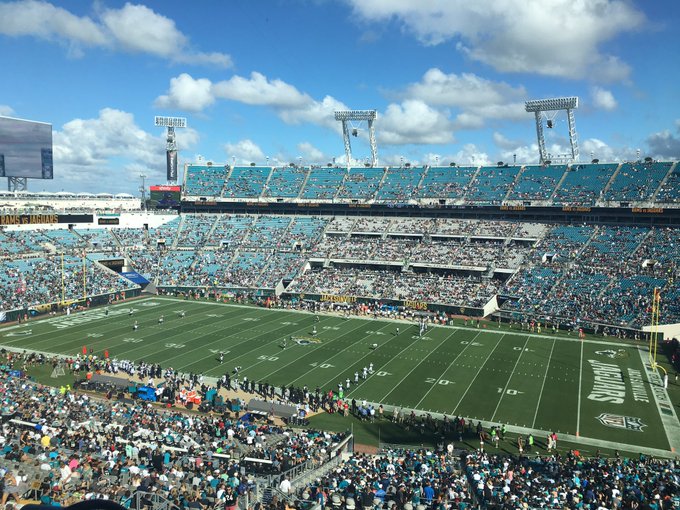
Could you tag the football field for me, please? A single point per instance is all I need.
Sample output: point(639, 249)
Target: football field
point(600, 392)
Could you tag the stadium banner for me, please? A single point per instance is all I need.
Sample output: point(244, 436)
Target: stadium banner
point(44, 308)
point(43, 219)
point(108, 221)
point(164, 197)
point(2, 165)
point(171, 165)
point(135, 277)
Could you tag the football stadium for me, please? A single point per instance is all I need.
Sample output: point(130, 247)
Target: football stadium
point(353, 334)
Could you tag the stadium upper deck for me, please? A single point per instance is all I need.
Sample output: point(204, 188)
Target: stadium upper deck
point(593, 184)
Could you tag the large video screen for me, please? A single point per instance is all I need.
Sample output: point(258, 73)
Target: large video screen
point(164, 196)
point(25, 149)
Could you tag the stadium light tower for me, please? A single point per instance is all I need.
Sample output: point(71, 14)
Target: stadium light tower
point(171, 123)
point(350, 116)
point(549, 108)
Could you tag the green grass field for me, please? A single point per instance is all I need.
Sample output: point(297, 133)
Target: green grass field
point(597, 392)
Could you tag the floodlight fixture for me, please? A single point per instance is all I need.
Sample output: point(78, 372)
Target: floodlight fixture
point(348, 116)
point(170, 123)
point(553, 105)
point(356, 115)
point(558, 103)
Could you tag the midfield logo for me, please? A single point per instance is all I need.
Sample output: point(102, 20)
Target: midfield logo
point(614, 354)
point(621, 422)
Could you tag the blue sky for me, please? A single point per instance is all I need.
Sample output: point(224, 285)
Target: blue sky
point(261, 79)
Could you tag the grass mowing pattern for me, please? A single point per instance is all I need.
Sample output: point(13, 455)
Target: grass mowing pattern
point(503, 377)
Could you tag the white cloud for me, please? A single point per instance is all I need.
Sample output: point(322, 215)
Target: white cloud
point(464, 90)
point(591, 148)
point(469, 154)
point(291, 105)
point(311, 154)
point(477, 99)
point(258, 90)
point(315, 112)
point(551, 37)
point(132, 28)
point(109, 152)
point(664, 144)
point(45, 21)
point(6, 110)
point(187, 94)
point(413, 121)
point(504, 143)
point(246, 151)
point(603, 99)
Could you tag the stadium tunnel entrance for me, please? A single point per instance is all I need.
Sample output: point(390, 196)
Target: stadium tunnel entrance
point(120, 266)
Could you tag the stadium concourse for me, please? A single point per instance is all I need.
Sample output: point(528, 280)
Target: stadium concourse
point(62, 445)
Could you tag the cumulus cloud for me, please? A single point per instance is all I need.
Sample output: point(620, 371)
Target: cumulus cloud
point(468, 154)
point(311, 154)
point(603, 99)
point(107, 153)
point(476, 99)
point(132, 28)
point(258, 90)
point(590, 148)
point(464, 90)
point(665, 144)
point(504, 143)
point(413, 121)
point(6, 110)
point(245, 151)
point(187, 94)
point(551, 37)
point(292, 106)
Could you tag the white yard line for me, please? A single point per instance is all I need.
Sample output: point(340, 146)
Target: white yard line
point(545, 376)
point(309, 351)
point(416, 365)
point(664, 405)
point(509, 379)
point(477, 374)
point(580, 385)
point(447, 368)
point(616, 344)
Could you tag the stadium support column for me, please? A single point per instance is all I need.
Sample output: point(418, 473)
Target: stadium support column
point(573, 139)
point(170, 143)
point(348, 145)
point(549, 108)
point(358, 116)
point(17, 184)
point(374, 145)
point(542, 153)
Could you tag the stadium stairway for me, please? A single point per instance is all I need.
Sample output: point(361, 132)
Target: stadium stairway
point(226, 180)
point(511, 188)
point(464, 198)
point(212, 228)
point(419, 185)
point(380, 184)
point(180, 227)
point(559, 183)
point(663, 181)
point(265, 186)
point(604, 191)
point(304, 182)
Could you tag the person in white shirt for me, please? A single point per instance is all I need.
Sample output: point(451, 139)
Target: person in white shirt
point(285, 486)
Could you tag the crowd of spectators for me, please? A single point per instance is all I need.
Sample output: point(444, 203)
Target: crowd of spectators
point(76, 446)
point(572, 481)
point(580, 274)
point(402, 479)
point(386, 284)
